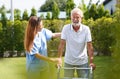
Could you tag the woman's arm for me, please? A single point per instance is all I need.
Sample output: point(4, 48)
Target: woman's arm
point(56, 35)
point(55, 60)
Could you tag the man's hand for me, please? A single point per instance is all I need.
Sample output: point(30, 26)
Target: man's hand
point(93, 65)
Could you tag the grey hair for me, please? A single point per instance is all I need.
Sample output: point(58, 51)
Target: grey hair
point(75, 10)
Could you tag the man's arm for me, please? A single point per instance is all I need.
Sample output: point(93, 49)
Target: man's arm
point(61, 48)
point(90, 53)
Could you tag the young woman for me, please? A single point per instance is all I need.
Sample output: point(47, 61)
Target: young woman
point(35, 44)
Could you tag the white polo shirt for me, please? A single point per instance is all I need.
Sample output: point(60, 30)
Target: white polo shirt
point(76, 51)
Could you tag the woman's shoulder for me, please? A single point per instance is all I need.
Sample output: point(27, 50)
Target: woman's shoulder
point(44, 30)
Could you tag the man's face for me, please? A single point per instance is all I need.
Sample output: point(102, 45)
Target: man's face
point(76, 19)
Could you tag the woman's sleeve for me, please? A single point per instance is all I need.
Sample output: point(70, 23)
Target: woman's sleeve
point(48, 34)
point(36, 45)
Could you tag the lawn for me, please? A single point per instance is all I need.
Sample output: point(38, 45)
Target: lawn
point(14, 68)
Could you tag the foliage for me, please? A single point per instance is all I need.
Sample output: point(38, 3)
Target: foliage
point(17, 14)
point(33, 12)
point(54, 25)
point(3, 26)
point(12, 36)
point(42, 16)
point(1, 40)
point(55, 11)
point(103, 37)
point(53, 46)
point(61, 4)
point(3, 9)
point(69, 6)
point(115, 74)
point(83, 6)
point(9, 36)
point(19, 28)
point(92, 11)
point(96, 12)
point(3, 19)
point(25, 15)
point(48, 16)
point(49, 4)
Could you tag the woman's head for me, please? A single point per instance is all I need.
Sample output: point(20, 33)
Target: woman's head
point(35, 23)
point(34, 26)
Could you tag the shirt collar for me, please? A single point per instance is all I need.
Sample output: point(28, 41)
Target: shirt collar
point(81, 27)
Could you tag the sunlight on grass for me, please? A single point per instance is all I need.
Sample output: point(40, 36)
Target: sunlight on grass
point(12, 68)
point(15, 68)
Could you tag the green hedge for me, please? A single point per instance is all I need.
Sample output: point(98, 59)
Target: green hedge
point(102, 34)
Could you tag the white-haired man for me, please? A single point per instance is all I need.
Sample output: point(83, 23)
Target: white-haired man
point(77, 38)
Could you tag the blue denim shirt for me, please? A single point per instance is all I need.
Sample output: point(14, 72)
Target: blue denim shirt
point(39, 46)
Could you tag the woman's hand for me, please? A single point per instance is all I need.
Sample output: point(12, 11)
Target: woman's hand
point(56, 60)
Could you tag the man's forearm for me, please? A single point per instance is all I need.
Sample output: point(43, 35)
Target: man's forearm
point(90, 52)
point(61, 48)
point(60, 52)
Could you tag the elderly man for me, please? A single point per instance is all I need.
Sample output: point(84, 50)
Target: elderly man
point(77, 38)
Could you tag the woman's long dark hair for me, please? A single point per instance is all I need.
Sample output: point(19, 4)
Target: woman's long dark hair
point(31, 31)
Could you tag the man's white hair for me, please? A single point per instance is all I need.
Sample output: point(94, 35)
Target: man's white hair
point(76, 10)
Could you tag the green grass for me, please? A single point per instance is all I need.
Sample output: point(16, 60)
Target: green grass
point(12, 68)
point(15, 68)
point(103, 66)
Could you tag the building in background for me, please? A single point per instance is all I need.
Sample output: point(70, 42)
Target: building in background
point(110, 5)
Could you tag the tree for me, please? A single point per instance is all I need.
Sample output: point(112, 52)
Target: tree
point(93, 11)
point(17, 14)
point(47, 6)
point(102, 12)
point(55, 11)
point(61, 4)
point(114, 71)
point(49, 3)
point(25, 15)
point(103, 36)
point(42, 16)
point(19, 29)
point(69, 6)
point(83, 6)
point(96, 12)
point(3, 26)
point(4, 19)
point(1, 41)
point(33, 12)
point(3, 9)
point(48, 16)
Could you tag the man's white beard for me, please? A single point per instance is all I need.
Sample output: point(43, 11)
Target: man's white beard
point(76, 24)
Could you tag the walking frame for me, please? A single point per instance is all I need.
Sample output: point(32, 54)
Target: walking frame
point(90, 69)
